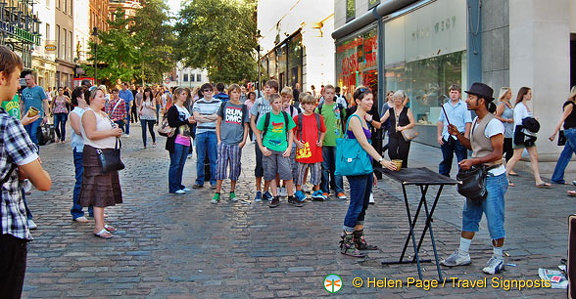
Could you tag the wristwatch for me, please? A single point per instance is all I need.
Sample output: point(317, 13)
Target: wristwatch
point(381, 159)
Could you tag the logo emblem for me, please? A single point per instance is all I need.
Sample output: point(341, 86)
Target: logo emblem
point(332, 283)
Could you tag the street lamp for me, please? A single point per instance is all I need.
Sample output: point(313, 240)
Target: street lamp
point(258, 48)
point(95, 34)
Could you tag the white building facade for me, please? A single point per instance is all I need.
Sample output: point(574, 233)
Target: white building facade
point(296, 46)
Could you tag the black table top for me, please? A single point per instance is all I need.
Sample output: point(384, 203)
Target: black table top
point(417, 176)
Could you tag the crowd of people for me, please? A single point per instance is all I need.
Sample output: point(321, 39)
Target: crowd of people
point(295, 135)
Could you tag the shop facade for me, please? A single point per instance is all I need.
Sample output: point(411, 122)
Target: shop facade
point(422, 47)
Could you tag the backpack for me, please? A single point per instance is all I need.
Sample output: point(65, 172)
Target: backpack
point(300, 117)
point(267, 123)
point(342, 121)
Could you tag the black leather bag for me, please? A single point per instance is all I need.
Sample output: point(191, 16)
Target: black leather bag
point(110, 158)
point(561, 138)
point(472, 182)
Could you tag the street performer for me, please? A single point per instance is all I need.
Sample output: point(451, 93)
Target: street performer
point(486, 142)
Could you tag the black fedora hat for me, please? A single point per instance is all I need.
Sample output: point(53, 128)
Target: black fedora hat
point(482, 90)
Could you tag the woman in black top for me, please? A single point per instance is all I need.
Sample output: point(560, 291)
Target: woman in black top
point(401, 118)
point(180, 143)
point(569, 120)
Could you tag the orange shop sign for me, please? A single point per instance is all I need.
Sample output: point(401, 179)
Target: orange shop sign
point(50, 47)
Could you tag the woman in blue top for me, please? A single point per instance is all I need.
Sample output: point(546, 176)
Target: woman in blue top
point(361, 185)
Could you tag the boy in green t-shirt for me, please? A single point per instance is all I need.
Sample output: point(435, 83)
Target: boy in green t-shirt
point(333, 114)
point(273, 131)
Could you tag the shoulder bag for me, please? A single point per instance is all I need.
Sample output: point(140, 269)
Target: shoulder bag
point(351, 158)
point(409, 134)
point(165, 129)
point(109, 158)
point(472, 182)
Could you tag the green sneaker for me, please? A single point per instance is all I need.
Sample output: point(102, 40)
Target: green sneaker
point(216, 198)
point(233, 196)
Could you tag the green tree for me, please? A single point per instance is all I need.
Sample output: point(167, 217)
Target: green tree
point(139, 48)
point(154, 39)
point(219, 35)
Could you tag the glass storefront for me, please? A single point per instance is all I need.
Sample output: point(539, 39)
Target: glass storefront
point(285, 62)
point(425, 53)
point(356, 61)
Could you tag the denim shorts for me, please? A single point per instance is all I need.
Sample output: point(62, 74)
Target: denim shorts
point(493, 206)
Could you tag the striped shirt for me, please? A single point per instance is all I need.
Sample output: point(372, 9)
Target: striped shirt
point(204, 107)
point(15, 148)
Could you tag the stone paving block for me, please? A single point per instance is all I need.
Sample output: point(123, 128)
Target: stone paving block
point(163, 241)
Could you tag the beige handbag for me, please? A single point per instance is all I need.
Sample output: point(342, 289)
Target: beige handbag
point(409, 134)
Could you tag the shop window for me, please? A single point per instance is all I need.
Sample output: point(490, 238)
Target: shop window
point(185, 78)
point(426, 83)
point(350, 10)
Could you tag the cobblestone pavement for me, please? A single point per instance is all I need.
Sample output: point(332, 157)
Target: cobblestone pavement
point(171, 246)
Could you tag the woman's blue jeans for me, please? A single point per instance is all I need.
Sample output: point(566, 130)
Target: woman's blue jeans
point(565, 156)
point(177, 161)
point(360, 189)
point(60, 120)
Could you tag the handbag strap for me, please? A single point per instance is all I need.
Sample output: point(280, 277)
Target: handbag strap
point(118, 142)
point(348, 123)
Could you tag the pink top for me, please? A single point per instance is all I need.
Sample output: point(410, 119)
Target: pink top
point(60, 105)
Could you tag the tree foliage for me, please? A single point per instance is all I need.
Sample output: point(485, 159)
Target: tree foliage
point(219, 35)
point(139, 48)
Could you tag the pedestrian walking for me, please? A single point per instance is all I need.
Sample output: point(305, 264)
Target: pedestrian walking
point(505, 114)
point(34, 97)
point(60, 111)
point(128, 97)
point(147, 113)
point(486, 142)
point(568, 119)
point(352, 239)
point(522, 111)
point(18, 158)
point(99, 189)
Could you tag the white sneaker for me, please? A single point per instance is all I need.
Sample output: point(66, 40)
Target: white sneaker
point(494, 265)
point(458, 258)
point(31, 224)
point(186, 189)
point(371, 200)
point(306, 188)
point(282, 192)
point(180, 192)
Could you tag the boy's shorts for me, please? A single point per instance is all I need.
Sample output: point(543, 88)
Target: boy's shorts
point(276, 164)
point(315, 173)
point(228, 153)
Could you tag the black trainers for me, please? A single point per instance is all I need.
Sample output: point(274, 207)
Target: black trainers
point(294, 201)
point(275, 202)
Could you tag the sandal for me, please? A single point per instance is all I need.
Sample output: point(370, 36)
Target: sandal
point(513, 173)
point(109, 228)
point(104, 234)
point(544, 186)
point(511, 184)
point(572, 193)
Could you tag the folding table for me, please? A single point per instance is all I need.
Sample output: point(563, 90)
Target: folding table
point(423, 178)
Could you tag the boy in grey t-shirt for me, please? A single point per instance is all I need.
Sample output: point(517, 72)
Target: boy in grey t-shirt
point(232, 132)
